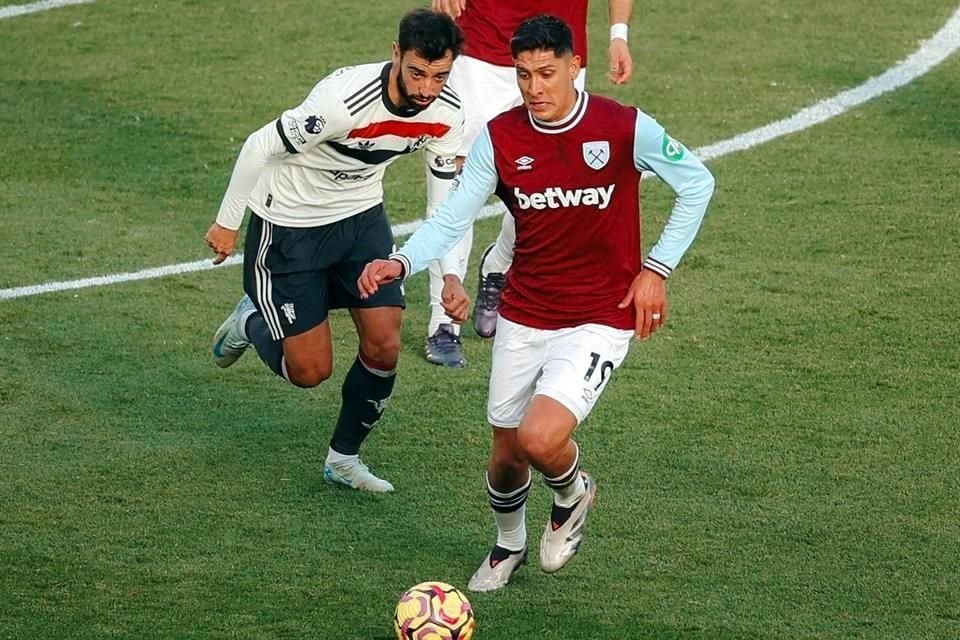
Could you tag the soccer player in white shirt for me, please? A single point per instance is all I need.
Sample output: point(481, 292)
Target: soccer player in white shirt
point(313, 182)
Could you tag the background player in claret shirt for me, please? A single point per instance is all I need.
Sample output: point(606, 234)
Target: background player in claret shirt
point(484, 78)
point(567, 165)
point(313, 180)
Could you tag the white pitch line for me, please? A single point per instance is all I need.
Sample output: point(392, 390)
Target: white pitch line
point(930, 53)
point(22, 9)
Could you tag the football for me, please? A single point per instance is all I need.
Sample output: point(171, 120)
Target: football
point(434, 611)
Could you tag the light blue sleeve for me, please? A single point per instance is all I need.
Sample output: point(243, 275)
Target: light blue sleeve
point(456, 213)
point(654, 150)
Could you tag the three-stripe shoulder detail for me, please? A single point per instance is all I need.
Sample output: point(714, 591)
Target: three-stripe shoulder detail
point(363, 98)
point(450, 96)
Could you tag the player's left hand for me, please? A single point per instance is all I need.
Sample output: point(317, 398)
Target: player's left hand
point(376, 273)
point(454, 298)
point(648, 294)
point(621, 64)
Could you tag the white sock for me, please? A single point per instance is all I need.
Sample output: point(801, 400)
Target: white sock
point(510, 515)
point(570, 495)
point(512, 529)
point(337, 459)
point(500, 257)
point(568, 487)
point(461, 254)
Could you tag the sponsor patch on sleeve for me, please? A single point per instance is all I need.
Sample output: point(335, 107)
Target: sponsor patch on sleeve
point(292, 131)
point(314, 124)
point(671, 149)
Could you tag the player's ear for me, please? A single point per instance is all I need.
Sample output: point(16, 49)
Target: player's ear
point(396, 53)
point(574, 67)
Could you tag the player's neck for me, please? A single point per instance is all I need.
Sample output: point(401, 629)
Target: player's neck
point(569, 113)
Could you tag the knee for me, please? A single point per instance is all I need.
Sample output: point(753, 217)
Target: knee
point(309, 374)
point(507, 461)
point(537, 447)
point(511, 467)
point(383, 350)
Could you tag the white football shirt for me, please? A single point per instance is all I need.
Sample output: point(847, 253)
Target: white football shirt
point(324, 160)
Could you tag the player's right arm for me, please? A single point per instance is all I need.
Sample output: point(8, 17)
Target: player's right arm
point(295, 131)
point(456, 213)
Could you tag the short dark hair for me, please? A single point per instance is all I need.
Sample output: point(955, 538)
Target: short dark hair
point(546, 32)
point(429, 33)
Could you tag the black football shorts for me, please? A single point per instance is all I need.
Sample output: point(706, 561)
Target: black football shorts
point(296, 275)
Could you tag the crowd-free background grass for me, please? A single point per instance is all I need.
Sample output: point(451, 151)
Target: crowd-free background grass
point(781, 461)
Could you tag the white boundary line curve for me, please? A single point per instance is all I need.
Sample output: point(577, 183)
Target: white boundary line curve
point(23, 9)
point(930, 53)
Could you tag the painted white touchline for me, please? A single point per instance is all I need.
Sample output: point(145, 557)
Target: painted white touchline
point(931, 53)
point(23, 9)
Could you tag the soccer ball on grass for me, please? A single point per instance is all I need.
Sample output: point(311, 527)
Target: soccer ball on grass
point(434, 611)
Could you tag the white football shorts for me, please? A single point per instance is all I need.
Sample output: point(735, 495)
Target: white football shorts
point(485, 91)
point(572, 366)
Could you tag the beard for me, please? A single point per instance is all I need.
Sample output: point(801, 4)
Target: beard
point(405, 96)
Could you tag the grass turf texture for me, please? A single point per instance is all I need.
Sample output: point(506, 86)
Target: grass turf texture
point(779, 462)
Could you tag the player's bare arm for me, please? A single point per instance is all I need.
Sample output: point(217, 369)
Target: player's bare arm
point(221, 240)
point(454, 298)
point(648, 294)
point(621, 62)
point(376, 273)
point(452, 8)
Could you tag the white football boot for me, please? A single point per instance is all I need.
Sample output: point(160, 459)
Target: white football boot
point(229, 342)
point(495, 571)
point(355, 475)
point(561, 541)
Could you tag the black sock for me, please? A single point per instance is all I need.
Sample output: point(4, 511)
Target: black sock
point(269, 350)
point(365, 394)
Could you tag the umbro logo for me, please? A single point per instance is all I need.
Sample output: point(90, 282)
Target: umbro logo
point(524, 163)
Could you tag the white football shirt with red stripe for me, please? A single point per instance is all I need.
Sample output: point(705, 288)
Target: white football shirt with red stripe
point(341, 139)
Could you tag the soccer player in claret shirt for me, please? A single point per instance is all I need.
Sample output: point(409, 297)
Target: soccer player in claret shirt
point(313, 181)
point(485, 80)
point(567, 165)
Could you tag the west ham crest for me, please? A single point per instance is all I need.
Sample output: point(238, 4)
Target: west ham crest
point(596, 154)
